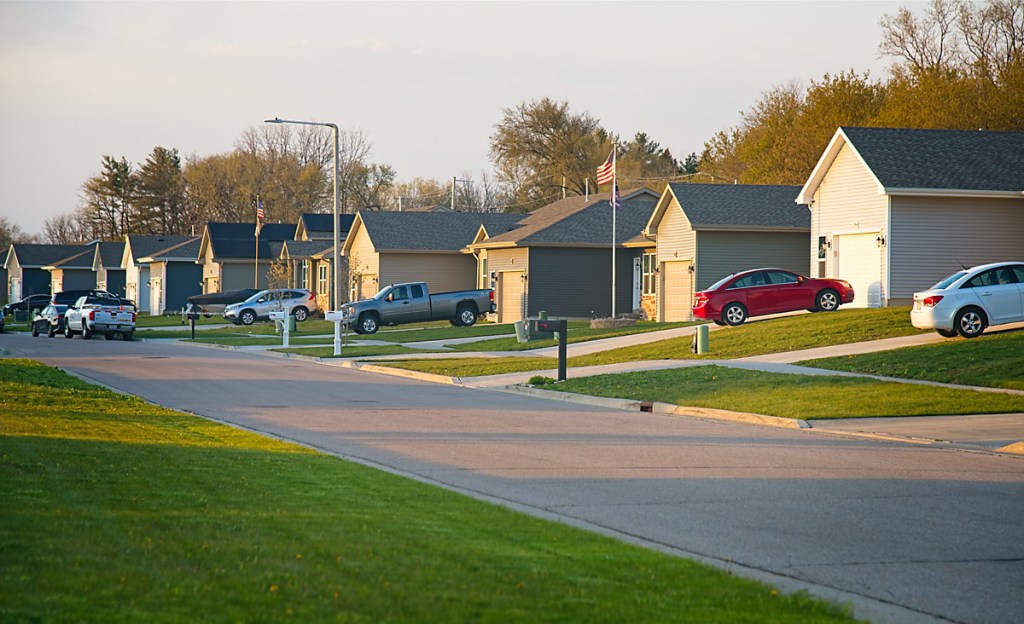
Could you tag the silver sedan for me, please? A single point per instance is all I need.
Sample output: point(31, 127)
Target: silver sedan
point(968, 301)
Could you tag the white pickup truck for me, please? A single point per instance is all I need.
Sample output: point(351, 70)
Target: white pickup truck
point(99, 315)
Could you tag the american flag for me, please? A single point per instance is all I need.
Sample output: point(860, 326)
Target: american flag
point(606, 172)
point(616, 198)
point(260, 215)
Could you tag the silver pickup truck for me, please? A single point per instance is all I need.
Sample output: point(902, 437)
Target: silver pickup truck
point(412, 303)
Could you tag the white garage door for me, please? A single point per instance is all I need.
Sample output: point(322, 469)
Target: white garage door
point(676, 291)
point(511, 291)
point(859, 262)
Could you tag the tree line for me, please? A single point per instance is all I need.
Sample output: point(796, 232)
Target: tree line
point(956, 65)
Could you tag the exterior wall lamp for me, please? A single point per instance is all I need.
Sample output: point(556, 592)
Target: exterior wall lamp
point(880, 240)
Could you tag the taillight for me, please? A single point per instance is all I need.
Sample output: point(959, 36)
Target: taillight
point(92, 315)
point(700, 299)
point(929, 302)
point(490, 296)
point(133, 317)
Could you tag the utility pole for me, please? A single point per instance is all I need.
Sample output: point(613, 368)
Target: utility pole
point(454, 180)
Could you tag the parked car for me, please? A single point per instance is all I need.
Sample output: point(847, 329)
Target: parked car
point(968, 301)
point(68, 297)
point(296, 301)
point(733, 299)
point(49, 321)
point(32, 302)
point(1, 320)
point(413, 303)
point(215, 303)
point(99, 315)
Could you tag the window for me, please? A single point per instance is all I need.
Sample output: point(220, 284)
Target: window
point(992, 277)
point(749, 281)
point(650, 273)
point(398, 293)
point(782, 277)
point(483, 272)
point(321, 279)
point(304, 275)
point(1018, 270)
point(417, 291)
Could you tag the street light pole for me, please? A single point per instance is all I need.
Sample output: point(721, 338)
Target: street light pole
point(337, 251)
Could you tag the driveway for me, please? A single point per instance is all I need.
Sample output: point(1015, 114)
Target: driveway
point(904, 532)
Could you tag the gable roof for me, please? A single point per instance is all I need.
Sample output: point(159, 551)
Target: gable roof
point(907, 161)
point(107, 255)
point(757, 207)
point(321, 226)
point(37, 256)
point(83, 259)
point(185, 251)
point(426, 231)
point(145, 246)
point(237, 241)
point(301, 249)
point(579, 221)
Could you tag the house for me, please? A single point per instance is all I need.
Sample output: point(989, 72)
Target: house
point(391, 247)
point(25, 273)
point(895, 210)
point(233, 258)
point(304, 258)
point(174, 276)
point(315, 226)
point(106, 264)
point(74, 272)
point(558, 258)
point(4, 292)
point(705, 232)
point(137, 283)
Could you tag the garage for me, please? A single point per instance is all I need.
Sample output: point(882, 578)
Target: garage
point(511, 292)
point(676, 291)
point(859, 262)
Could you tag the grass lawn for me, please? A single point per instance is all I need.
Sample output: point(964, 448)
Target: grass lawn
point(791, 396)
point(995, 360)
point(440, 333)
point(145, 320)
point(115, 510)
point(350, 351)
point(792, 333)
point(579, 331)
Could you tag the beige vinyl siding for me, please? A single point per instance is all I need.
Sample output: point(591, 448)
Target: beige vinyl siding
point(363, 256)
point(676, 239)
point(930, 237)
point(725, 253)
point(441, 271)
point(506, 261)
point(847, 201)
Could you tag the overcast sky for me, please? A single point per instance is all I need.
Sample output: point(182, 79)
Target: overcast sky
point(426, 81)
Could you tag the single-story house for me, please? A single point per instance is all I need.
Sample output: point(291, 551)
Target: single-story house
point(894, 210)
point(74, 272)
point(705, 232)
point(321, 265)
point(233, 258)
point(137, 283)
point(25, 273)
point(174, 276)
point(558, 258)
point(392, 247)
point(106, 264)
point(299, 254)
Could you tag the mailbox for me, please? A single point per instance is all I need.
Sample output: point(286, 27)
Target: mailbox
point(547, 326)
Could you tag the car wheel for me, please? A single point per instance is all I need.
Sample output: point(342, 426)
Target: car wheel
point(466, 315)
point(946, 333)
point(35, 332)
point(454, 321)
point(734, 314)
point(86, 333)
point(247, 317)
point(827, 300)
point(970, 322)
point(718, 322)
point(300, 314)
point(108, 336)
point(128, 336)
point(67, 332)
point(369, 323)
point(50, 333)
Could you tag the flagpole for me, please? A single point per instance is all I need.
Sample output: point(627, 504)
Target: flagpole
point(257, 267)
point(611, 201)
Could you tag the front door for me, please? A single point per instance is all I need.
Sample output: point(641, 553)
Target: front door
point(511, 293)
point(638, 277)
point(676, 291)
point(860, 264)
point(156, 296)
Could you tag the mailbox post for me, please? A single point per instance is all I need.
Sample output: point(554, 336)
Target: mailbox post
point(560, 326)
point(282, 317)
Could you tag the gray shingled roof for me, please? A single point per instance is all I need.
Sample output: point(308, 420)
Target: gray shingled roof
point(431, 231)
point(942, 159)
point(741, 205)
point(111, 254)
point(322, 225)
point(305, 249)
point(32, 255)
point(143, 246)
point(238, 240)
point(188, 249)
point(82, 259)
point(577, 221)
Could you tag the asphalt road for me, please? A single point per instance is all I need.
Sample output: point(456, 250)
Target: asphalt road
point(904, 532)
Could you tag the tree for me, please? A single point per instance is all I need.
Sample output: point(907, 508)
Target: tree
point(161, 195)
point(643, 161)
point(927, 43)
point(107, 209)
point(65, 228)
point(417, 193)
point(11, 232)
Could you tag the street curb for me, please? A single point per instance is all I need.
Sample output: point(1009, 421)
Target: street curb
point(662, 408)
point(401, 372)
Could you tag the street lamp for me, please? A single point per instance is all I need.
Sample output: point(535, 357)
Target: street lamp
point(337, 252)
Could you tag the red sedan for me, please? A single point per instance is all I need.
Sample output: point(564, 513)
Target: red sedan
point(731, 300)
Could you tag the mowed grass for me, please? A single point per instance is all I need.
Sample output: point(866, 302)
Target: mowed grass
point(791, 396)
point(793, 333)
point(115, 510)
point(993, 359)
point(353, 351)
point(579, 331)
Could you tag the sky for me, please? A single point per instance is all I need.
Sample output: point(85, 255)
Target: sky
point(425, 81)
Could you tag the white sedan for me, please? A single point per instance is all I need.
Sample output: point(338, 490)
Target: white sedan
point(968, 301)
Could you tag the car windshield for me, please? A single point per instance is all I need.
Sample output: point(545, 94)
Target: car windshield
point(257, 296)
point(949, 280)
point(720, 282)
point(383, 292)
